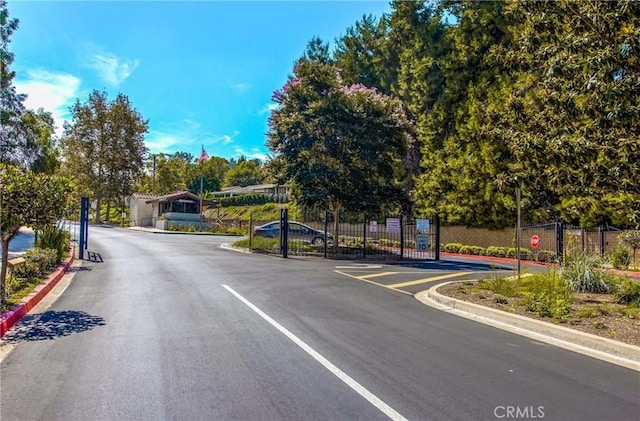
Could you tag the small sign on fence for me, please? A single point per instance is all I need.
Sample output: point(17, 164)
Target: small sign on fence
point(373, 226)
point(422, 242)
point(393, 225)
point(535, 241)
point(422, 224)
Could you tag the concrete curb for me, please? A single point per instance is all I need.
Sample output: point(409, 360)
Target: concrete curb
point(9, 318)
point(607, 349)
point(157, 231)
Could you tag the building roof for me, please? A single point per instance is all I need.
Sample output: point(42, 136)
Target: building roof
point(247, 189)
point(144, 196)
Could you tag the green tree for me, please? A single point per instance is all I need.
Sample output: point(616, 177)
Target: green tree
point(103, 146)
point(245, 173)
point(462, 164)
point(169, 174)
point(361, 55)
point(41, 129)
point(27, 199)
point(212, 172)
point(13, 133)
point(338, 145)
point(570, 115)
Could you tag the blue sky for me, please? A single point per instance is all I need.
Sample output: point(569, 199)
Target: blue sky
point(202, 72)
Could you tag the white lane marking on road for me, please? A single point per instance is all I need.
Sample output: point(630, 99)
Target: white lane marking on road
point(359, 266)
point(357, 387)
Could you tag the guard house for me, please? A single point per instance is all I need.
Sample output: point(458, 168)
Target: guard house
point(180, 209)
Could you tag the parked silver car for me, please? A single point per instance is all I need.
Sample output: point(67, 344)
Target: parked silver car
point(297, 231)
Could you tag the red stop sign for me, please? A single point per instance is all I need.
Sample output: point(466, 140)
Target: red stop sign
point(535, 241)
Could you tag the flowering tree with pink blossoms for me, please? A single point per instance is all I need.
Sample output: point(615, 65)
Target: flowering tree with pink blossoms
point(339, 146)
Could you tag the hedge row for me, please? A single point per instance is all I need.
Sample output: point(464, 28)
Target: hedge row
point(252, 199)
point(508, 252)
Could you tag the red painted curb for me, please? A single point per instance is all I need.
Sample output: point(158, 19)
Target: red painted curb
point(498, 259)
point(11, 317)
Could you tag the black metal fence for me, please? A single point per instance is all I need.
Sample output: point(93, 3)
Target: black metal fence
point(397, 237)
point(361, 236)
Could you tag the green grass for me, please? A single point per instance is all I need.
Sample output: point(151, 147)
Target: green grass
point(266, 212)
point(17, 289)
point(502, 286)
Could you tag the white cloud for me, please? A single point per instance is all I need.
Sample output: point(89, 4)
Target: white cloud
point(267, 108)
point(241, 87)
point(225, 139)
point(254, 154)
point(54, 92)
point(163, 142)
point(111, 68)
point(185, 136)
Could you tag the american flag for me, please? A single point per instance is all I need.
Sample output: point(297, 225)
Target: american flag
point(203, 156)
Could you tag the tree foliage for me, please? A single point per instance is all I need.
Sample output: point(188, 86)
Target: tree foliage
point(245, 173)
point(541, 96)
point(339, 145)
point(180, 171)
point(27, 199)
point(103, 146)
point(17, 143)
point(571, 116)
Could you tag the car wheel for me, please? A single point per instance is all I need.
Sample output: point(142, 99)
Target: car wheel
point(318, 241)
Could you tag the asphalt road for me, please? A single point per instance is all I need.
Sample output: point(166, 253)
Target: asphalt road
point(174, 327)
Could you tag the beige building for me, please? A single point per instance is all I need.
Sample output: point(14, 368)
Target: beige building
point(180, 209)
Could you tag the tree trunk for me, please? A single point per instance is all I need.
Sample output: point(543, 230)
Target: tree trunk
point(108, 215)
point(98, 205)
point(3, 271)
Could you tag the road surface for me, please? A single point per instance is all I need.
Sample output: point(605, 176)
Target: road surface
point(174, 327)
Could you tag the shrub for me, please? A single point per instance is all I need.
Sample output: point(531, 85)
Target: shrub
point(550, 295)
point(465, 250)
point(453, 247)
point(479, 251)
point(496, 251)
point(55, 239)
point(631, 239)
point(525, 254)
point(502, 286)
point(260, 244)
point(583, 272)
point(620, 258)
point(547, 256)
point(384, 242)
point(40, 261)
point(629, 294)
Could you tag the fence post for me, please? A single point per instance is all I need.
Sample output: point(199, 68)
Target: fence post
point(364, 236)
point(602, 239)
point(284, 232)
point(250, 230)
point(437, 245)
point(326, 227)
point(401, 238)
point(559, 240)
